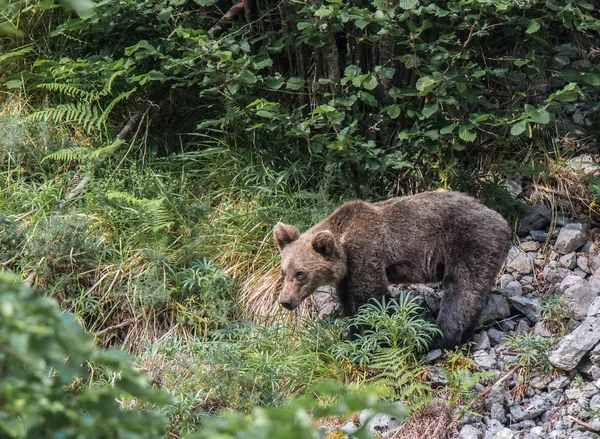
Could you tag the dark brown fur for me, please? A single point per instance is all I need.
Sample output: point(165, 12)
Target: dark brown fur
point(429, 237)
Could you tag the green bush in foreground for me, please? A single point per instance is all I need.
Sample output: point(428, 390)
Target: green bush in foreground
point(296, 420)
point(44, 358)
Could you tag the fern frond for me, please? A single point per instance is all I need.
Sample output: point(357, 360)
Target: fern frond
point(111, 105)
point(71, 90)
point(82, 113)
point(152, 212)
point(106, 150)
point(69, 154)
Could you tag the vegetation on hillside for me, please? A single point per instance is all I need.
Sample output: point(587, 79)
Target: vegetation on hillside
point(148, 147)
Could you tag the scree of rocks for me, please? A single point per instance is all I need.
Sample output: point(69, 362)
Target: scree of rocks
point(561, 263)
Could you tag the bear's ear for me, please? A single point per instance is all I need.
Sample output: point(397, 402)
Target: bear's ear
point(285, 234)
point(324, 243)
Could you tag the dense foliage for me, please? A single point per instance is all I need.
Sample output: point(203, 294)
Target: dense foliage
point(44, 388)
point(147, 147)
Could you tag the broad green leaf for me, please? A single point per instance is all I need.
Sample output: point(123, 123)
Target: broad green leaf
point(369, 81)
point(367, 98)
point(533, 27)
point(14, 83)
point(426, 84)
point(403, 92)
point(429, 110)
point(408, 4)
point(361, 23)
point(295, 83)
point(274, 83)
point(465, 133)
point(393, 111)
point(165, 14)
point(448, 129)
point(519, 128)
point(592, 78)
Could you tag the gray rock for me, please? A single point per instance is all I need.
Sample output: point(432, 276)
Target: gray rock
point(588, 369)
point(349, 428)
point(514, 187)
point(513, 288)
point(540, 329)
point(469, 432)
point(569, 50)
point(585, 162)
point(522, 326)
point(530, 246)
point(483, 360)
point(538, 218)
point(574, 346)
point(436, 376)
point(519, 262)
point(539, 235)
point(580, 295)
point(595, 282)
point(326, 302)
point(482, 342)
point(539, 382)
point(570, 238)
point(433, 355)
point(582, 64)
point(587, 247)
point(555, 275)
point(568, 282)
point(595, 355)
point(582, 263)
point(378, 423)
point(569, 260)
point(560, 61)
point(559, 383)
point(532, 308)
point(505, 279)
point(495, 308)
point(496, 337)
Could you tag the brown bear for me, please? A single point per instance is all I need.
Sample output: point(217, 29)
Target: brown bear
point(429, 237)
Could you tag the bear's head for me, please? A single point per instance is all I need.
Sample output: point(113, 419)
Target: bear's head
point(308, 261)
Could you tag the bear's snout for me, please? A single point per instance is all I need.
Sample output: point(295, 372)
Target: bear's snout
point(287, 304)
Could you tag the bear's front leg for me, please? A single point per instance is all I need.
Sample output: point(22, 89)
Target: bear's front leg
point(357, 289)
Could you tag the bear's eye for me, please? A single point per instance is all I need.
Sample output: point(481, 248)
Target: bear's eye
point(283, 274)
point(300, 275)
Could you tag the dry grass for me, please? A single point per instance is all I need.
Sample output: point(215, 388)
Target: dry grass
point(432, 421)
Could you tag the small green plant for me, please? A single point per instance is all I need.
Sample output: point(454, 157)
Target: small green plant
point(532, 350)
point(205, 295)
point(553, 313)
point(394, 333)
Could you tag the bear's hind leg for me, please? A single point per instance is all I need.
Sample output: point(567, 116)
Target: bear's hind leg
point(459, 310)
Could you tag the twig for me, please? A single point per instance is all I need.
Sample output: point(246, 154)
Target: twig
point(583, 424)
point(117, 326)
point(504, 377)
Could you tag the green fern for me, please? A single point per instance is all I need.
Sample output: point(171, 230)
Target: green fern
point(71, 90)
point(153, 213)
point(82, 153)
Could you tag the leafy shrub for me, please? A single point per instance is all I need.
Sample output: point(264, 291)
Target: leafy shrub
point(394, 333)
point(206, 294)
point(532, 350)
point(64, 251)
point(11, 239)
point(297, 419)
point(44, 354)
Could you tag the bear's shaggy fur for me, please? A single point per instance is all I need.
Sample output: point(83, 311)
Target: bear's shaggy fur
point(429, 237)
